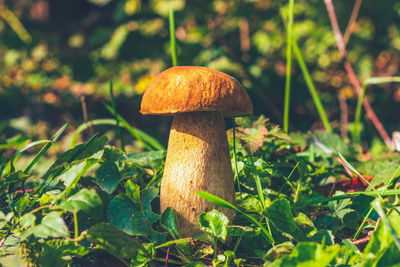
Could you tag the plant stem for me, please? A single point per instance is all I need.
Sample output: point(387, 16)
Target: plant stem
point(172, 36)
point(288, 66)
point(76, 229)
point(352, 21)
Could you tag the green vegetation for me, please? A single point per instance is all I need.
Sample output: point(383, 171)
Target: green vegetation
point(80, 168)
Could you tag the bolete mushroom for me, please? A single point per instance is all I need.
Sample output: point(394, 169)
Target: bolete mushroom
point(198, 154)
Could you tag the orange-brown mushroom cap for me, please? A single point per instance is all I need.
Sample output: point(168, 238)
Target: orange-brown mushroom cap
point(192, 88)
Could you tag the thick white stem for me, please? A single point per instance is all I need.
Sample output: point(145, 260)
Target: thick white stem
point(197, 159)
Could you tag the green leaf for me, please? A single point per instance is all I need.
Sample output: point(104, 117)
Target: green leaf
point(143, 257)
point(237, 230)
point(27, 220)
point(114, 241)
point(310, 254)
point(122, 213)
point(108, 176)
point(21, 204)
point(381, 169)
point(326, 236)
point(46, 147)
point(280, 214)
point(148, 195)
point(52, 225)
point(145, 159)
point(112, 153)
point(76, 155)
point(132, 190)
point(4, 219)
point(26, 147)
point(86, 200)
point(381, 249)
point(223, 203)
point(169, 220)
point(214, 223)
point(59, 252)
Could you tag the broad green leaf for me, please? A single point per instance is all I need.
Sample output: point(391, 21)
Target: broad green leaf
point(195, 264)
point(381, 169)
point(148, 195)
point(145, 159)
point(112, 153)
point(21, 204)
point(169, 220)
point(214, 223)
point(86, 200)
point(309, 254)
point(114, 241)
point(76, 155)
point(69, 176)
point(59, 252)
point(52, 225)
point(122, 213)
point(280, 214)
point(4, 219)
point(223, 203)
point(238, 230)
point(179, 242)
point(108, 176)
point(27, 220)
point(143, 257)
point(323, 235)
point(132, 190)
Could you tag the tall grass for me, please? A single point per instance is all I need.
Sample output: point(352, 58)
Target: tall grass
point(288, 66)
point(306, 73)
point(172, 36)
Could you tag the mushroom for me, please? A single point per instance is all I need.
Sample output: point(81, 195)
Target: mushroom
point(198, 153)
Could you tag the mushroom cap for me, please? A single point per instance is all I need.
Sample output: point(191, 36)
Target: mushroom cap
point(191, 88)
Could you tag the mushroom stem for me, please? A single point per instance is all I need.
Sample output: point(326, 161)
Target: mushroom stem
point(197, 159)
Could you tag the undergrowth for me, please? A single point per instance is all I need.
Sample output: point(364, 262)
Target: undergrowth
point(301, 200)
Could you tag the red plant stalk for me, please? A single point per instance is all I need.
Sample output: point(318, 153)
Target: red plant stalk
point(352, 76)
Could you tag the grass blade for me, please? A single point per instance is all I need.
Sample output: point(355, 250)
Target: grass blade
point(351, 168)
point(309, 82)
point(220, 202)
point(149, 139)
point(48, 180)
point(311, 87)
point(116, 117)
point(46, 147)
point(288, 67)
point(172, 36)
point(26, 147)
point(141, 136)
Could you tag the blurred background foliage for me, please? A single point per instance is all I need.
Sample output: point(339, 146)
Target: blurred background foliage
point(56, 55)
